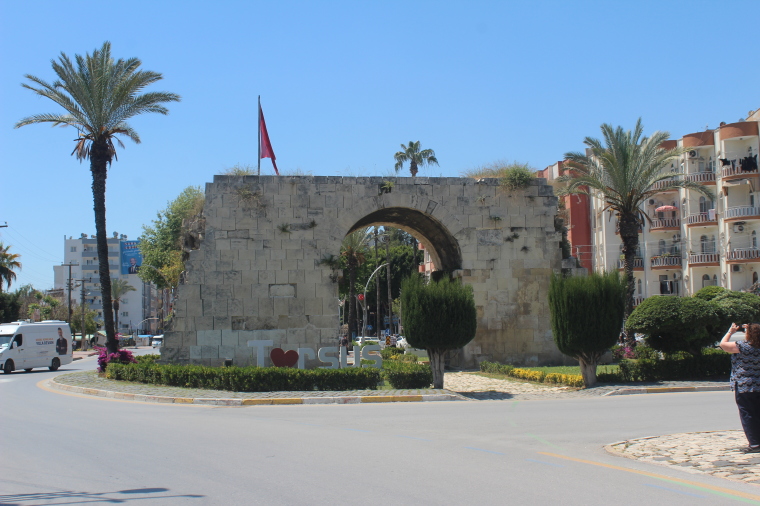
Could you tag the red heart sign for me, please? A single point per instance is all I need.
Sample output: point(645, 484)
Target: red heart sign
point(283, 358)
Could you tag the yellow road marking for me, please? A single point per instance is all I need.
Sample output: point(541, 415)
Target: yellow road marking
point(184, 402)
point(717, 490)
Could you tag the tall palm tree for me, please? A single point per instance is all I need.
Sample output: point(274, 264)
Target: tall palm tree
point(99, 94)
point(415, 157)
point(623, 173)
point(119, 288)
point(8, 263)
point(354, 249)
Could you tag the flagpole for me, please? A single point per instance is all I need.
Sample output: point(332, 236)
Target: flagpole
point(259, 122)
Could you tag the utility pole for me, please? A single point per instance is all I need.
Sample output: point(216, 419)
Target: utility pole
point(84, 346)
point(378, 315)
point(69, 286)
point(388, 277)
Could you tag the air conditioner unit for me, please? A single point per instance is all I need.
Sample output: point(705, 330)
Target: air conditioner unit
point(737, 268)
point(693, 153)
point(739, 228)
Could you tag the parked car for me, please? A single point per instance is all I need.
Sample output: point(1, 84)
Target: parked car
point(367, 339)
point(158, 341)
point(402, 343)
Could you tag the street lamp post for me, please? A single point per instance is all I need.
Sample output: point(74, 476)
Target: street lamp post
point(137, 331)
point(364, 326)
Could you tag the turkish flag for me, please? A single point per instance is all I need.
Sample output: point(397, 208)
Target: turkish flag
point(266, 144)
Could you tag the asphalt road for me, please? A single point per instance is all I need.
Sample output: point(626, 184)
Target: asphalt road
point(67, 449)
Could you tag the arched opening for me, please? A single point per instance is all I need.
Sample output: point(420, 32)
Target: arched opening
point(440, 243)
point(429, 247)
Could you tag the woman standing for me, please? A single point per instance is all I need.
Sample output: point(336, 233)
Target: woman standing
point(745, 380)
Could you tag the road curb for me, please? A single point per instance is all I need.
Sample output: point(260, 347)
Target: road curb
point(272, 401)
point(666, 390)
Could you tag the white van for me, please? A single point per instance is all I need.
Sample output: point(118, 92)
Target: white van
point(26, 345)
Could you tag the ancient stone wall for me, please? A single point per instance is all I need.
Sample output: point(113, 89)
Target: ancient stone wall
point(261, 274)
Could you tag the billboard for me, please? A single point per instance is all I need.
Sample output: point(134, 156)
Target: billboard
point(131, 259)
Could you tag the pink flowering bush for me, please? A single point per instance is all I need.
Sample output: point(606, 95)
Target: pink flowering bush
point(621, 352)
point(120, 357)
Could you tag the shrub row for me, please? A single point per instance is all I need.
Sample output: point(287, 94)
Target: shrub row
point(247, 379)
point(404, 374)
point(573, 380)
point(400, 373)
point(712, 363)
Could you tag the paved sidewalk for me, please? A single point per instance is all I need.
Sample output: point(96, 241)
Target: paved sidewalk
point(716, 453)
point(476, 387)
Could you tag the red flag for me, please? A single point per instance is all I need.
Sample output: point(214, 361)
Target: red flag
point(265, 144)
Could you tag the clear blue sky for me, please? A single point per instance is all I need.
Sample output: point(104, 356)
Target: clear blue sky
point(344, 83)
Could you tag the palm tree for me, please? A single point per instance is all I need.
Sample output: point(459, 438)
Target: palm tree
point(624, 172)
point(354, 249)
point(99, 94)
point(8, 263)
point(119, 288)
point(415, 157)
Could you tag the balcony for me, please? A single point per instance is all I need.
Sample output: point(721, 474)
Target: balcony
point(638, 264)
point(665, 185)
point(665, 262)
point(702, 177)
point(704, 259)
point(743, 212)
point(637, 299)
point(735, 171)
point(665, 224)
point(94, 267)
point(704, 219)
point(741, 255)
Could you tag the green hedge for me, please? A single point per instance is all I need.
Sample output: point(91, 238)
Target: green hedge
point(147, 359)
point(407, 375)
point(247, 379)
point(712, 363)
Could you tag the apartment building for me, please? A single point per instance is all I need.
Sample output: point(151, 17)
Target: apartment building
point(81, 253)
point(689, 241)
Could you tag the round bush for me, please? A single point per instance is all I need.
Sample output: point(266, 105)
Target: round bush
point(674, 323)
point(710, 292)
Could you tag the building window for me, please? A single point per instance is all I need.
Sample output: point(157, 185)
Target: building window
point(754, 277)
point(124, 313)
point(707, 246)
point(638, 287)
point(73, 249)
point(754, 239)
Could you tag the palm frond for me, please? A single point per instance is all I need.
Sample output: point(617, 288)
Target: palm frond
point(100, 94)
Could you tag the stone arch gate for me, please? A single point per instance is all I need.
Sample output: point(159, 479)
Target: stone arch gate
point(259, 275)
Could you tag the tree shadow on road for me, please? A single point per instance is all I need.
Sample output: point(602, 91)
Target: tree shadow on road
point(71, 497)
point(489, 395)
